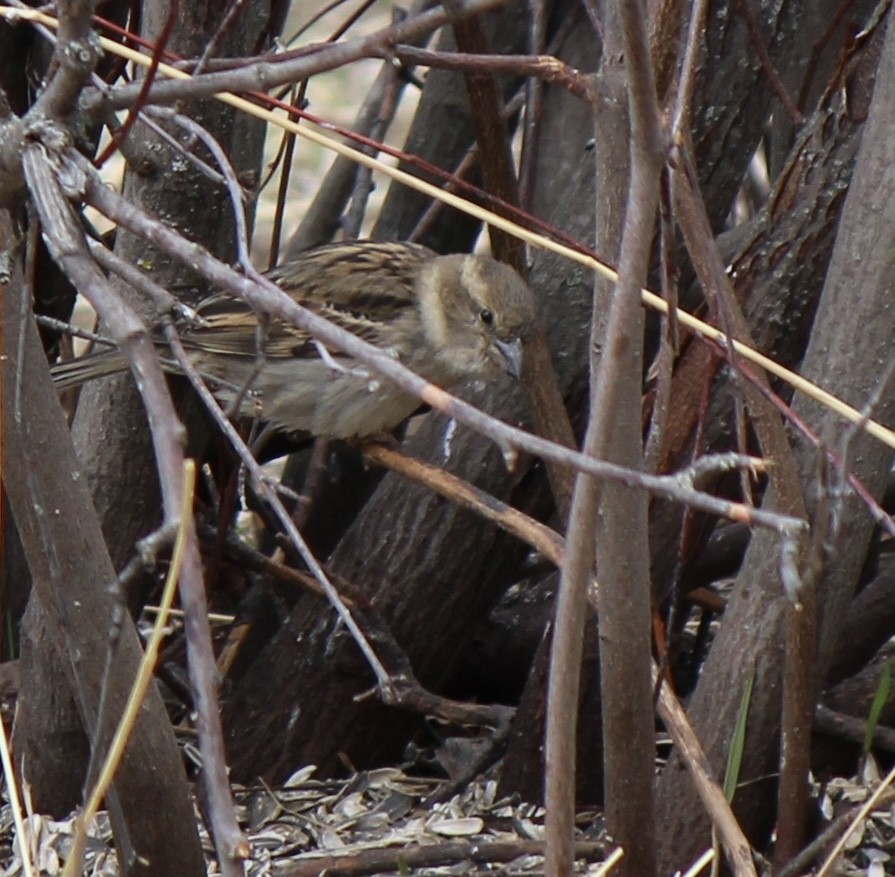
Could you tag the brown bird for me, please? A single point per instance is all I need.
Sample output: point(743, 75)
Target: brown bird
point(445, 317)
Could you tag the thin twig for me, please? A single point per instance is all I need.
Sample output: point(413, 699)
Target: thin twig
point(544, 67)
point(12, 790)
point(768, 65)
point(269, 494)
point(74, 59)
point(540, 537)
point(710, 792)
point(859, 817)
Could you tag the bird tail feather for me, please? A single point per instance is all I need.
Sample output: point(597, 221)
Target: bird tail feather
point(87, 368)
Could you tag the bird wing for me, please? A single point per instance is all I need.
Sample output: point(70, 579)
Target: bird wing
point(358, 286)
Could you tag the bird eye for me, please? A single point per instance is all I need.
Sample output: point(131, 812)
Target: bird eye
point(486, 317)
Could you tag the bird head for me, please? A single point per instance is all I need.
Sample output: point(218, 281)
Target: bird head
point(477, 313)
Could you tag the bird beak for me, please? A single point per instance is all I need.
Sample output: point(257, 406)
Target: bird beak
point(508, 356)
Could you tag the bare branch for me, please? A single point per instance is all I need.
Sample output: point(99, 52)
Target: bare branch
point(280, 70)
point(77, 52)
point(544, 67)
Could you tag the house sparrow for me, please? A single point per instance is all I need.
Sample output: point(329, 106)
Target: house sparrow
point(444, 317)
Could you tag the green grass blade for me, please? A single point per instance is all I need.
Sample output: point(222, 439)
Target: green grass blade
point(879, 701)
point(738, 743)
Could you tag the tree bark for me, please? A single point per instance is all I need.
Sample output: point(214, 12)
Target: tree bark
point(151, 811)
point(853, 305)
